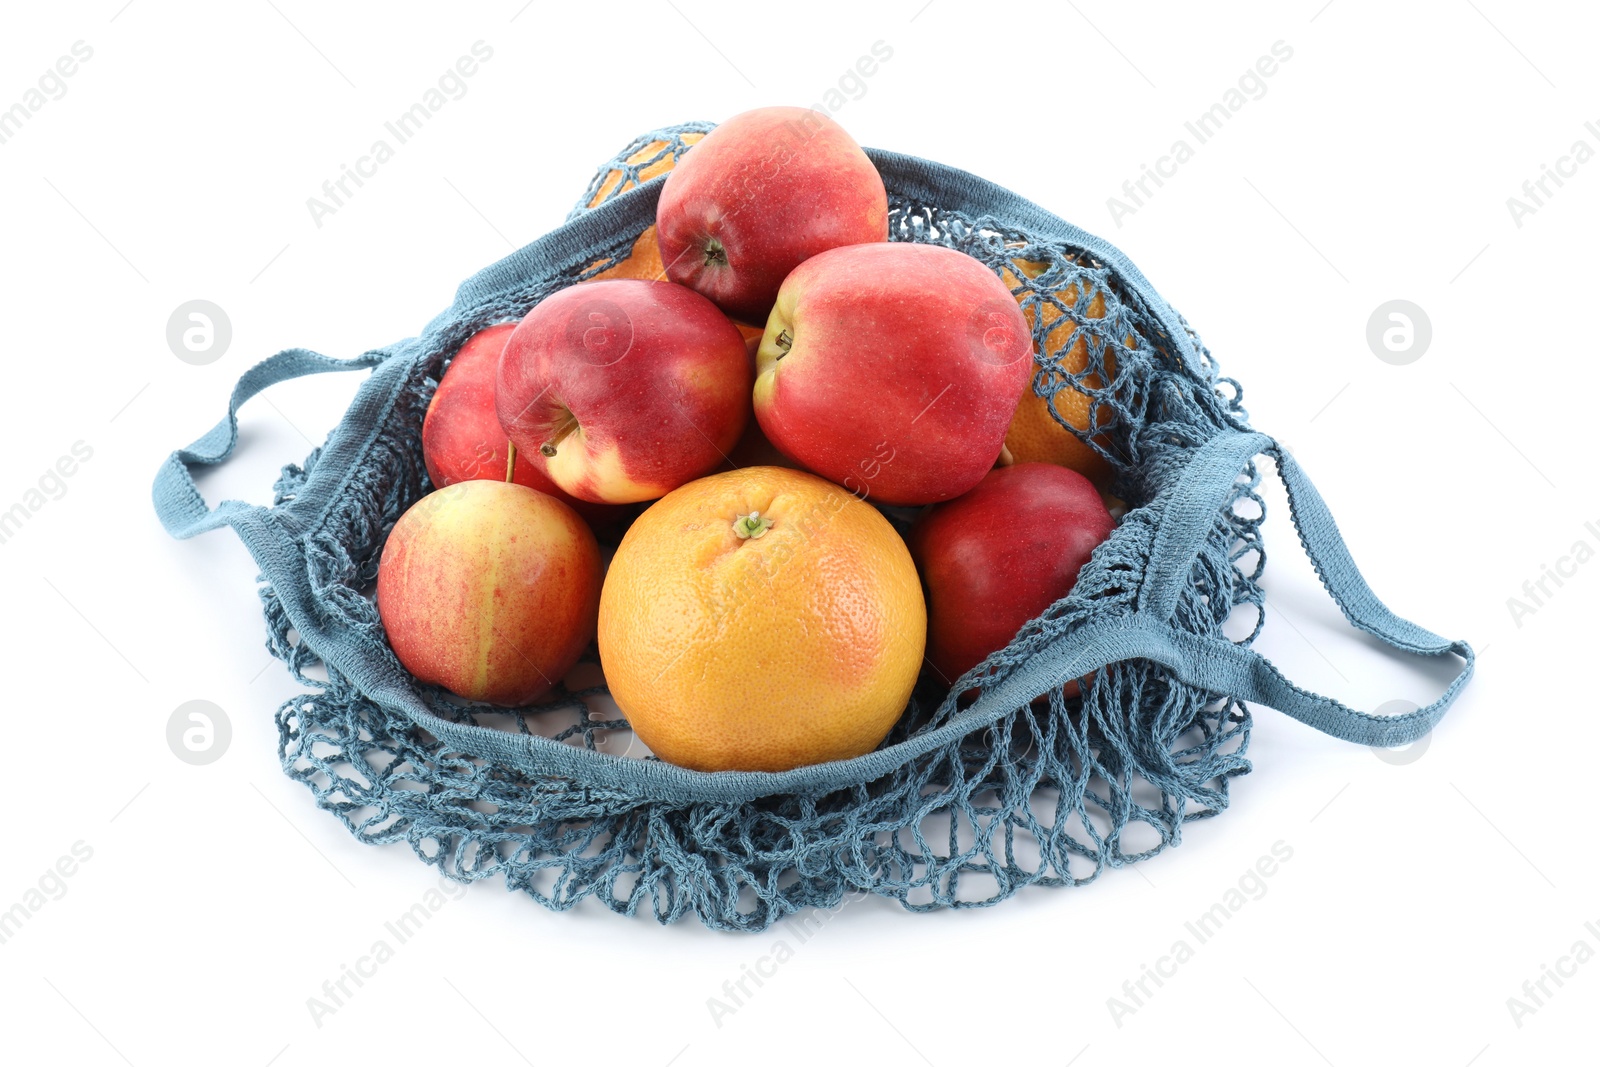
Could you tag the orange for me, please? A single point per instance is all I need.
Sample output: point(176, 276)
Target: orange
point(752, 336)
point(644, 262)
point(761, 619)
point(617, 181)
point(1035, 436)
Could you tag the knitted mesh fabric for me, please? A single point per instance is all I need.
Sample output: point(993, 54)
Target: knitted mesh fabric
point(955, 809)
point(1050, 794)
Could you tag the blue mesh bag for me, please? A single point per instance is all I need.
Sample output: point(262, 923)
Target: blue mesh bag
point(966, 801)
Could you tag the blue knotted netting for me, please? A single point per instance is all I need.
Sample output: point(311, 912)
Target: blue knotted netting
point(967, 801)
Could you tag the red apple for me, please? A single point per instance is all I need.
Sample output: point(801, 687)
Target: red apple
point(621, 391)
point(490, 589)
point(893, 369)
point(461, 436)
point(760, 194)
point(1000, 555)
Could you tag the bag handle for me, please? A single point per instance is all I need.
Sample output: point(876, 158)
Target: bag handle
point(178, 502)
point(1215, 665)
point(1221, 666)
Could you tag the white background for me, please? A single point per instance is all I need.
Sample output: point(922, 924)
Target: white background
point(1420, 896)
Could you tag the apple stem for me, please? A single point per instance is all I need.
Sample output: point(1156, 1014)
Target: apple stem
point(562, 432)
point(511, 458)
point(783, 341)
point(751, 526)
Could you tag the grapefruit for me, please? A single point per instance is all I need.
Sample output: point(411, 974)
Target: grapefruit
point(761, 619)
point(1035, 435)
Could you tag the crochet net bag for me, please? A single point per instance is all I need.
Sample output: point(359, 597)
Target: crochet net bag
point(964, 803)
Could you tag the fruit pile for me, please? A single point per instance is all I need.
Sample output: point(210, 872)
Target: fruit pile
point(777, 379)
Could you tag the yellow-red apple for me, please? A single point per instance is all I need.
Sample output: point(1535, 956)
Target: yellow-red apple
point(893, 369)
point(760, 194)
point(621, 391)
point(490, 589)
point(1000, 555)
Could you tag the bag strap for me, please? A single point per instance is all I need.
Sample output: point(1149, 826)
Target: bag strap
point(178, 502)
point(1215, 665)
point(1221, 666)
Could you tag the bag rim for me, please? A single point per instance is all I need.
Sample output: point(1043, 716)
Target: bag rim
point(276, 535)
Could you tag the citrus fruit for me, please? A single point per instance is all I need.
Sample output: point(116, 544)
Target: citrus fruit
point(617, 181)
point(644, 262)
point(1035, 436)
point(645, 259)
point(761, 619)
